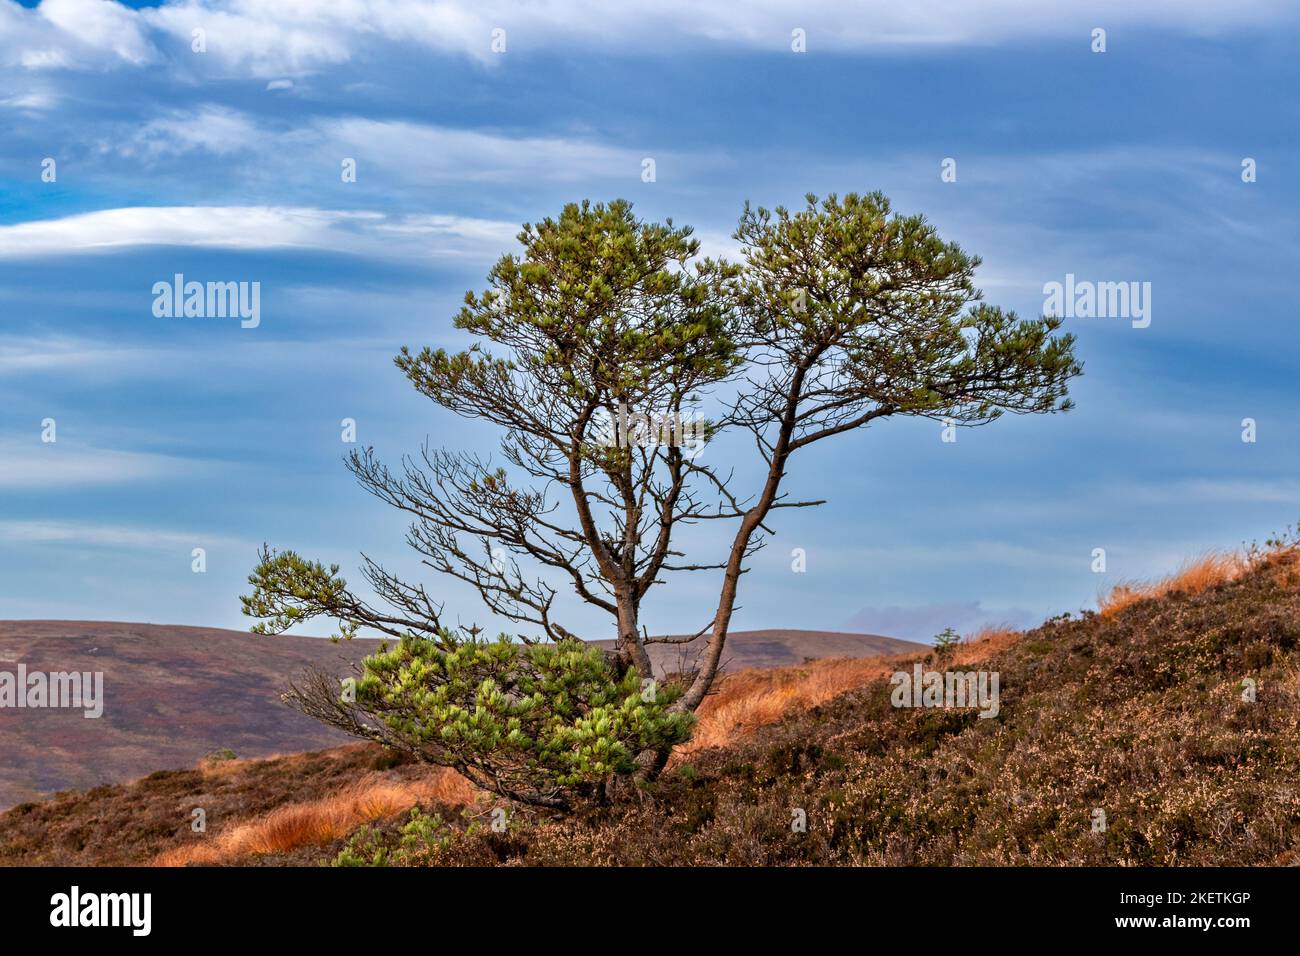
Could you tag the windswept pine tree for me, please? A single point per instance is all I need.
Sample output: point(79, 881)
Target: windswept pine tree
point(839, 315)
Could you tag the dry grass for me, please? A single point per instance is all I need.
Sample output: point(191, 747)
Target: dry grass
point(1212, 569)
point(749, 699)
point(321, 821)
point(1195, 576)
point(983, 644)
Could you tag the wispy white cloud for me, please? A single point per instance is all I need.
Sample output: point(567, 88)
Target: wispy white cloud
point(33, 464)
point(1190, 490)
point(48, 353)
point(924, 621)
point(112, 536)
point(402, 151)
point(109, 29)
point(256, 228)
point(271, 38)
point(440, 154)
point(213, 129)
point(34, 100)
point(75, 34)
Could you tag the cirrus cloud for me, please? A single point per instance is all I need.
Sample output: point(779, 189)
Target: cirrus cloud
point(269, 38)
point(256, 228)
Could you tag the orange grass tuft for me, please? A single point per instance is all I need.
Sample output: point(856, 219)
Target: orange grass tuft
point(983, 644)
point(1195, 576)
point(321, 821)
point(749, 699)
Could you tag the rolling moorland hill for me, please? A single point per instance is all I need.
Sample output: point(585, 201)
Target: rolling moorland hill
point(172, 696)
point(175, 694)
point(775, 647)
point(1137, 711)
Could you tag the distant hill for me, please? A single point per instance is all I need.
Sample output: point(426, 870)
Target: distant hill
point(172, 695)
point(776, 647)
point(175, 694)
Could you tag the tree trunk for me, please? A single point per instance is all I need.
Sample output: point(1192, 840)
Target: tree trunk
point(630, 648)
point(753, 519)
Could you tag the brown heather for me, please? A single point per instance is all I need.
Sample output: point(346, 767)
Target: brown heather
point(149, 820)
point(1136, 710)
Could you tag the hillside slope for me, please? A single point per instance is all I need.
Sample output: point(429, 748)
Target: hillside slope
point(1136, 713)
point(175, 694)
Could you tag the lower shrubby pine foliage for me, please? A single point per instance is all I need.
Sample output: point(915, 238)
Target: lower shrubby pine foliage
point(543, 724)
point(420, 835)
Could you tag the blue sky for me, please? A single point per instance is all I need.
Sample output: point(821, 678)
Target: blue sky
point(177, 433)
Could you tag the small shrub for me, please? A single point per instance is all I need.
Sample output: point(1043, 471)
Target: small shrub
point(421, 835)
point(538, 723)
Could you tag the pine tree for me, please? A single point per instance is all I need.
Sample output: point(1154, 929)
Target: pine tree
point(840, 315)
